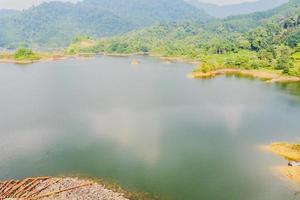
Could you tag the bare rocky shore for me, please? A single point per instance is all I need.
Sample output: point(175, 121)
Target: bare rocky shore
point(46, 188)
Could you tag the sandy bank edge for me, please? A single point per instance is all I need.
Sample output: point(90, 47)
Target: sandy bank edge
point(269, 77)
point(290, 152)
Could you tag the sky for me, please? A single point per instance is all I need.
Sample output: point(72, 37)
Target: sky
point(23, 4)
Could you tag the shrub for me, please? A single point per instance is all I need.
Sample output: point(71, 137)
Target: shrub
point(25, 54)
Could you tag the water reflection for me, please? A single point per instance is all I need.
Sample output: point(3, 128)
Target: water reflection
point(150, 129)
point(291, 88)
point(139, 133)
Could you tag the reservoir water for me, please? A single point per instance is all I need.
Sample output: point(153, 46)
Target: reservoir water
point(147, 127)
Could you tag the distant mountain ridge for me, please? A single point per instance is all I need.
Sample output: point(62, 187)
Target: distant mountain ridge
point(267, 40)
point(236, 9)
point(56, 23)
point(242, 23)
point(282, 23)
point(141, 12)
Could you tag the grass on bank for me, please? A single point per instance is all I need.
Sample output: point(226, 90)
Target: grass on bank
point(287, 64)
point(288, 151)
point(248, 60)
point(23, 54)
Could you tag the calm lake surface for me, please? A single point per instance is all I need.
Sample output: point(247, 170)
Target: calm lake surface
point(147, 127)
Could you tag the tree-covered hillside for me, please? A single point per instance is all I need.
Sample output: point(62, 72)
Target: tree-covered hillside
point(277, 15)
point(147, 12)
point(54, 24)
point(271, 44)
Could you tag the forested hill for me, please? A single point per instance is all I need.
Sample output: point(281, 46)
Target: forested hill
point(236, 9)
point(147, 12)
point(281, 23)
point(261, 40)
point(277, 15)
point(54, 24)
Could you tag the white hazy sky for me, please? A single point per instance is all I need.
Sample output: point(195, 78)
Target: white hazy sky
point(22, 4)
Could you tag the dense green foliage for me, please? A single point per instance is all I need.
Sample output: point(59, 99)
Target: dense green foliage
point(54, 24)
point(269, 41)
point(242, 23)
point(23, 54)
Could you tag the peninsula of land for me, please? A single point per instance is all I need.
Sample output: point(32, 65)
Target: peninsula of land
point(290, 152)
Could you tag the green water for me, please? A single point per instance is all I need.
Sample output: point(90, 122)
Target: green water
point(146, 127)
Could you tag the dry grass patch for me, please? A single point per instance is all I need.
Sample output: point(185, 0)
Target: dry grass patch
point(288, 151)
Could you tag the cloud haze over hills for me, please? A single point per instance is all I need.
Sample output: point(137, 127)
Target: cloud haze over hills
point(222, 11)
point(57, 23)
point(23, 4)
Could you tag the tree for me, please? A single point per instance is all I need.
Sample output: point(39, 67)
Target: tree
point(243, 43)
point(289, 23)
point(293, 38)
point(258, 39)
point(25, 54)
point(283, 58)
point(144, 49)
point(265, 55)
point(297, 49)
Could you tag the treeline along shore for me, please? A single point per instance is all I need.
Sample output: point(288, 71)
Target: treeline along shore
point(27, 56)
point(265, 44)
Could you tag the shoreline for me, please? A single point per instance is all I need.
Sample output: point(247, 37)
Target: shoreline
point(61, 56)
point(68, 188)
point(265, 75)
point(55, 57)
point(289, 152)
point(57, 188)
point(44, 57)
